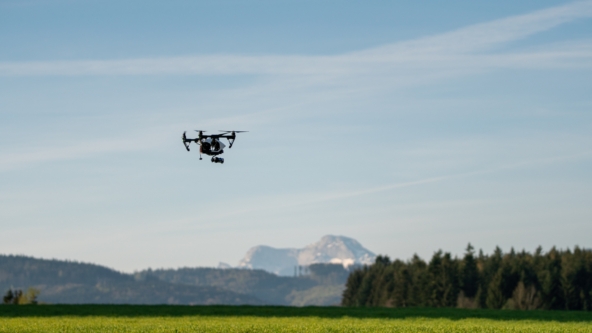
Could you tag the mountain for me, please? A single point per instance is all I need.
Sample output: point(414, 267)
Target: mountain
point(270, 279)
point(330, 249)
point(70, 282)
point(276, 261)
point(74, 282)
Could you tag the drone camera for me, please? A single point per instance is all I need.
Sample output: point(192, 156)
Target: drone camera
point(218, 160)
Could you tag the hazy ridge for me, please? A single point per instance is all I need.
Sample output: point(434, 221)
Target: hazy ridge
point(83, 283)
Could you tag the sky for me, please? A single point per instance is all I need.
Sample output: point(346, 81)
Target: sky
point(409, 126)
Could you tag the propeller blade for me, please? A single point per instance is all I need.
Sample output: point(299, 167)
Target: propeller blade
point(185, 141)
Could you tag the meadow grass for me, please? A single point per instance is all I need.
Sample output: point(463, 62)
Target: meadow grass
point(125, 318)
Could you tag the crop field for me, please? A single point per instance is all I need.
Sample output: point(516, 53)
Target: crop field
point(127, 318)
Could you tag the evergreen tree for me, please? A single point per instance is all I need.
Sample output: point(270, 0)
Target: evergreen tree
point(364, 296)
point(575, 280)
point(381, 273)
point(469, 273)
point(387, 286)
point(443, 274)
point(436, 284)
point(399, 294)
point(382, 260)
point(552, 286)
point(8, 297)
point(511, 269)
point(484, 280)
point(495, 297)
point(352, 286)
point(450, 280)
point(418, 289)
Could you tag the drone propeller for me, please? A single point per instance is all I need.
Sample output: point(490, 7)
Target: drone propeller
point(234, 132)
point(185, 141)
point(232, 136)
point(200, 135)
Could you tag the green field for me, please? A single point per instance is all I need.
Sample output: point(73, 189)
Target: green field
point(128, 318)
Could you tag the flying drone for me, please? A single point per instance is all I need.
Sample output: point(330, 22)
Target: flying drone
point(210, 144)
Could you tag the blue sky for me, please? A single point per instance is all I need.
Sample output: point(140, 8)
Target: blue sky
point(408, 126)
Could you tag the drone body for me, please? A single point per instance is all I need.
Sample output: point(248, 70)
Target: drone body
point(211, 144)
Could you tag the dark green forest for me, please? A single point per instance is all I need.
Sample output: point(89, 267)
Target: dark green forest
point(555, 280)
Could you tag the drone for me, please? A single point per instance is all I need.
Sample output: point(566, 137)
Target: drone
point(210, 144)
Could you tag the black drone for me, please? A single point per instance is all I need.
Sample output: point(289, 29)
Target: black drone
point(210, 144)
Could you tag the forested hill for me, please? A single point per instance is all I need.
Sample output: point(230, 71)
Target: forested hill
point(74, 282)
point(322, 285)
point(558, 279)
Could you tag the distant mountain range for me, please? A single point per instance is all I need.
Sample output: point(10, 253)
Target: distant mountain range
point(330, 249)
point(322, 283)
point(74, 282)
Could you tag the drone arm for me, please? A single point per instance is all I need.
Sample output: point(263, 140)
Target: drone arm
point(186, 144)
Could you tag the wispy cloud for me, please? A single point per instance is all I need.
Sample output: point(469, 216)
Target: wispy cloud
point(86, 148)
point(486, 36)
point(287, 203)
point(463, 49)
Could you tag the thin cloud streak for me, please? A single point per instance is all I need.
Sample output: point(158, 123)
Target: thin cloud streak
point(10, 161)
point(488, 35)
point(303, 200)
point(460, 48)
point(373, 190)
point(300, 66)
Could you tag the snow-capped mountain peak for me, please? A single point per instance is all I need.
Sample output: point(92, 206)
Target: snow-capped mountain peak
point(330, 249)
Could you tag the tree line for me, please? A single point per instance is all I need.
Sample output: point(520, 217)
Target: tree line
point(557, 280)
point(18, 297)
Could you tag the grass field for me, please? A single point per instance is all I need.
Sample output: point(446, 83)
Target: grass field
point(128, 318)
